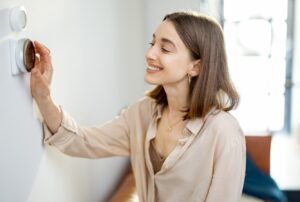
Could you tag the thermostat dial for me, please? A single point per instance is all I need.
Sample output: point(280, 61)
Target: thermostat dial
point(25, 55)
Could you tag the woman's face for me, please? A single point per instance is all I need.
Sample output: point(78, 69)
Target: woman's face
point(168, 59)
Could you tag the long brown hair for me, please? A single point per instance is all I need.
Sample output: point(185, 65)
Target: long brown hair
point(203, 36)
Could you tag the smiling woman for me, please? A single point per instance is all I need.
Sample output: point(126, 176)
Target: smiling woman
point(183, 142)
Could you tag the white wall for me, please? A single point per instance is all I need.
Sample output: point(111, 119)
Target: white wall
point(155, 11)
point(97, 49)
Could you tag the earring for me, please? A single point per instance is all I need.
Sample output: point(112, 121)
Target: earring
point(189, 78)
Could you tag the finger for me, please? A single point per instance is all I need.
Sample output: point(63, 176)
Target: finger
point(36, 72)
point(37, 59)
point(43, 51)
point(42, 70)
point(36, 80)
point(48, 71)
point(39, 66)
point(41, 46)
point(35, 76)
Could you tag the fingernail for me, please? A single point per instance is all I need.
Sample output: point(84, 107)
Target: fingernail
point(38, 57)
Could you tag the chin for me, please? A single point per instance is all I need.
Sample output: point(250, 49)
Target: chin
point(147, 79)
point(150, 81)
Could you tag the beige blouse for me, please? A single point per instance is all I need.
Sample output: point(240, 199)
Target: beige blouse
point(208, 163)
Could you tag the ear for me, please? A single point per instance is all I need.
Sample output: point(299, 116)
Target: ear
point(196, 67)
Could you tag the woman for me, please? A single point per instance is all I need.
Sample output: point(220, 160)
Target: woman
point(183, 143)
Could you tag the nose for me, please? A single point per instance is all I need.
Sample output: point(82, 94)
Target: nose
point(151, 54)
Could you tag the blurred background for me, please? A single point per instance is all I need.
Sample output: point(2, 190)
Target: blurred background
point(98, 47)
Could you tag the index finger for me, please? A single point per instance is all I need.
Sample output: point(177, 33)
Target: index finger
point(42, 50)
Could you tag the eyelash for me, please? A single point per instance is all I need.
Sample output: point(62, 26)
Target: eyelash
point(162, 49)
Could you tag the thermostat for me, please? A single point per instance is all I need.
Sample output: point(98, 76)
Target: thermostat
point(18, 18)
point(22, 54)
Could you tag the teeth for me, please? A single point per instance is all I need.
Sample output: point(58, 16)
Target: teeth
point(153, 68)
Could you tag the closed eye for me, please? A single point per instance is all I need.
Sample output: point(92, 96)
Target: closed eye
point(164, 50)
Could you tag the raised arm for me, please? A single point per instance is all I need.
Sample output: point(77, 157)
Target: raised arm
point(40, 81)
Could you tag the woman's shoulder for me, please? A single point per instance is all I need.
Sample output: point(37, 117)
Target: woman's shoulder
point(144, 104)
point(145, 100)
point(225, 123)
point(220, 117)
point(226, 130)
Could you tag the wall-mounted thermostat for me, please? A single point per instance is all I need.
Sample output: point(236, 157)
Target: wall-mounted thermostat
point(22, 55)
point(18, 18)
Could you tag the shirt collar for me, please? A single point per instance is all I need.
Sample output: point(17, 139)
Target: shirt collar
point(196, 124)
point(193, 125)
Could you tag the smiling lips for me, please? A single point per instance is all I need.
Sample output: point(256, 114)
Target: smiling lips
point(152, 69)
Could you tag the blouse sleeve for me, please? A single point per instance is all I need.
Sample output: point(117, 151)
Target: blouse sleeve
point(109, 139)
point(229, 164)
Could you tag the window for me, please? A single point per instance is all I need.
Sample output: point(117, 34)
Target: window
point(256, 34)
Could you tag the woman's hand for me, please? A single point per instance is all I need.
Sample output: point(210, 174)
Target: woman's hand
point(40, 82)
point(41, 74)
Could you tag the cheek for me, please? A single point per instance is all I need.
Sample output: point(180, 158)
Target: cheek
point(174, 74)
point(178, 66)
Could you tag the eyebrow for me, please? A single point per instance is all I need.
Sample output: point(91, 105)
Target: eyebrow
point(165, 40)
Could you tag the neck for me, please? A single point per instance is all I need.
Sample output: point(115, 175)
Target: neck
point(177, 100)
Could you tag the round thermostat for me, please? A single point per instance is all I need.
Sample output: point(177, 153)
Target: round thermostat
point(25, 55)
point(18, 18)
